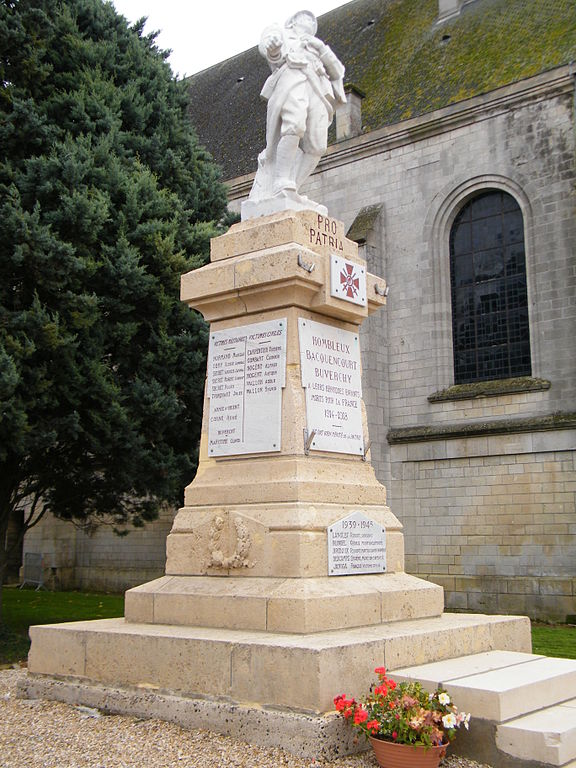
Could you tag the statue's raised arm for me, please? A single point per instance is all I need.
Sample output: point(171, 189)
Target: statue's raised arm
point(306, 83)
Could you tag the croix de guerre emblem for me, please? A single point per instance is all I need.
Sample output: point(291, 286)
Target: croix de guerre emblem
point(347, 280)
point(350, 281)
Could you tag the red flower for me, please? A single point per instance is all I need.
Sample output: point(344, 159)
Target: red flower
point(380, 671)
point(373, 726)
point(344, 705)
point(360, 716)
point(394, 735)
point(340, 703)
point(381, 689)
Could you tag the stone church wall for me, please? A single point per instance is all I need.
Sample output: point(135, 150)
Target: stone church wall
point(491, 517)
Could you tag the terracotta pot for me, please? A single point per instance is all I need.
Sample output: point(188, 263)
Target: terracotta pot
point(392, 755)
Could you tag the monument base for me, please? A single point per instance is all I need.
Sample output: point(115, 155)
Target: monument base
point(251, 618)
point(284, 201)
point(307, 736)
point(293, 606)
point(269, 689)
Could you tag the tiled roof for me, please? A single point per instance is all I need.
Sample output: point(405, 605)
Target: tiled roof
point(403, 61)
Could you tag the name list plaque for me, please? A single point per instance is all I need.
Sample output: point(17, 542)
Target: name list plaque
point(356, 544)
point(246, 374)
point(330, 365)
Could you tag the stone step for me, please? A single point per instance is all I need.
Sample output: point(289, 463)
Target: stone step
point(522, 702)
point(499, 686)
point(548, 736)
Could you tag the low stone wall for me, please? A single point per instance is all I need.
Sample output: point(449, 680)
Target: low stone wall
point(541, 598)
point(100, 560)
point(492, 520)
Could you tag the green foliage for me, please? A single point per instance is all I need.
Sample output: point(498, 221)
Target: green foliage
point(105, 199)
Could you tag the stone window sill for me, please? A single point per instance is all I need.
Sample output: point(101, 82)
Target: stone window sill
point(553, 421)
point(489, 389)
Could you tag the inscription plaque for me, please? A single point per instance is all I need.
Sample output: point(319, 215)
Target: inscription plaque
point(356, 544)
point(330, 365)
point(246, 374)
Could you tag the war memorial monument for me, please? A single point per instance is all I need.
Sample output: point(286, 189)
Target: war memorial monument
point(284, 581)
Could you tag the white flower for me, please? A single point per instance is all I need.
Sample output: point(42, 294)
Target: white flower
point(443, 698)
point(449, 721)
point(462, 717)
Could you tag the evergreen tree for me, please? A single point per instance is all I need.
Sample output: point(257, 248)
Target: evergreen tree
point(106, 198)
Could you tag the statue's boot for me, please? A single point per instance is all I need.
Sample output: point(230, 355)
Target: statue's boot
point(284, 171)
point(305, 165)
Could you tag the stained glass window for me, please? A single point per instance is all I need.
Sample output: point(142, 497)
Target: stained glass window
point(489, 295)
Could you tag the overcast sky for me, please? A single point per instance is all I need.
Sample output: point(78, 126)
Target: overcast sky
point(203, 33)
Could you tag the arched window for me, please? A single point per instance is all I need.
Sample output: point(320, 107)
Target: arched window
point(489, 297)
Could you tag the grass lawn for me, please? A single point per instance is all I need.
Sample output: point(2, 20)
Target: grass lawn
point(23, 607)
point(554, 640)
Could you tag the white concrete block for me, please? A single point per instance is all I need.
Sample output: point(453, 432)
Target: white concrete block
point(504, 694)
point(548, 736)
point(444, 672)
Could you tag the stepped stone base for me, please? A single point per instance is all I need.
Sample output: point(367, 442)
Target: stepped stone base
point(295, 606)
point(313, 736)
point(199, 676)
point(247, 633)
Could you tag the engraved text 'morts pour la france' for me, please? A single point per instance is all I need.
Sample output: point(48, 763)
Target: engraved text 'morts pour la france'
point(331, 376)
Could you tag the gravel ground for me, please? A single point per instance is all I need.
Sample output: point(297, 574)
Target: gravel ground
point(46, 734)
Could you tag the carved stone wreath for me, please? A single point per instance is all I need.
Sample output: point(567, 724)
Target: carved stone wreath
point(239, 558)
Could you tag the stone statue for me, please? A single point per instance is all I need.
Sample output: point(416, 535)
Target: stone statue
point(305, 85)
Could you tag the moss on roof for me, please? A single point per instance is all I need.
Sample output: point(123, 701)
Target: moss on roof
point(395, 52)
point(408, 65)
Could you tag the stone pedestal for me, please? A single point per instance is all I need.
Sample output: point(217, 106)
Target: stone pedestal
point(261, 519)
point(247, 615)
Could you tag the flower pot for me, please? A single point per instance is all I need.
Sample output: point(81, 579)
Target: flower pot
point(392, 755)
